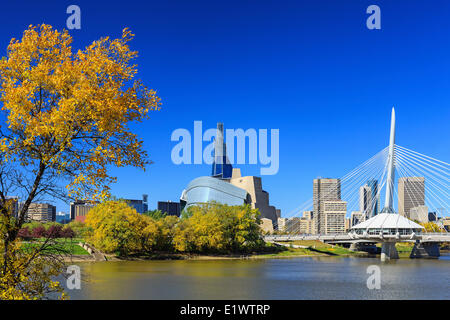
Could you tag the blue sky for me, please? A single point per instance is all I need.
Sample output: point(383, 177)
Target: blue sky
point(308, 68)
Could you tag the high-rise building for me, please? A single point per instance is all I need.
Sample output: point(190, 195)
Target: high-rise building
point(368, 199)
point(334, 215)
point(222, 167)
point(411, 193)
point(323, 190)
point(42, 212)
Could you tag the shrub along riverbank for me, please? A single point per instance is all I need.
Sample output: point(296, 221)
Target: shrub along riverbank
point(209, 229)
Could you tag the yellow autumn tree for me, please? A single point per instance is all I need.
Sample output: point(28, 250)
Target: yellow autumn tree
point(432, 227)
point(116, 227)
point(215, 227)
point(66, 120)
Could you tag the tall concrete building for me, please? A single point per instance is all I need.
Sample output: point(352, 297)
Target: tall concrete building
point(368, 199)
point(411, 193)
point(323, 190)
point(356, 217)
point(42, 212)
point(334, 213)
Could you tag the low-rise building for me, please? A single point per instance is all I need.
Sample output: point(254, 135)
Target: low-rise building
point(256, 196)
point(41, 212)
point(419, 213)
point(356, 217)
point(169, 208)
point(348, 224)
point(141, 205)
point(266, 225)
point(282, 224)
point(446, 223)
point(80, 209)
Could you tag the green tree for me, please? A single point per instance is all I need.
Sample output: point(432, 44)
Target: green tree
point(155, 214)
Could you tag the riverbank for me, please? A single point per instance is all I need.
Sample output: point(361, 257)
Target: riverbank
point(272, 251)
point(286, 250)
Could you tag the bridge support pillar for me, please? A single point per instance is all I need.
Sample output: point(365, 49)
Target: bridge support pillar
point(388, 251)
point(425, 250)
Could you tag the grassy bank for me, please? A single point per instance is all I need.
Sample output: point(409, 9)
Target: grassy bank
point(61, 246)
point(312, 248)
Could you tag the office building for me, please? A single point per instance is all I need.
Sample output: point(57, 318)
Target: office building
point(368, 199)
point(79, 209)
point(334, 215)
point(356, 217)
point(308, 218)
point(281, 224)
point(169, 208)
point(419, 213)
point(411, 193)
point(293, 225)
point(432, 216)
point(41, 212)
point(348, 224)
point(323, 190)
point(141, 206)
point(266, 225)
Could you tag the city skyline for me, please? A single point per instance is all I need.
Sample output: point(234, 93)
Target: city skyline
point(288, 94)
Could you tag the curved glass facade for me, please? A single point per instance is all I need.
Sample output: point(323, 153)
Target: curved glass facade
point(207, 189)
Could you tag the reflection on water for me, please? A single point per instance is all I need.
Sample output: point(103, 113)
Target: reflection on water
point(300, 278)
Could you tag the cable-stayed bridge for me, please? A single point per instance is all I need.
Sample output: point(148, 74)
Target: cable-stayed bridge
point(419, 183)
point(408, 163)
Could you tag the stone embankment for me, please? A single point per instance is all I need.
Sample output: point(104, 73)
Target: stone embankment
point(96, 254)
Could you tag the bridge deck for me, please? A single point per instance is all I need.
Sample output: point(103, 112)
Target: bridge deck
point(345, 238)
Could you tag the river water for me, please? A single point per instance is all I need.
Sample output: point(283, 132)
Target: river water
point(295, 278)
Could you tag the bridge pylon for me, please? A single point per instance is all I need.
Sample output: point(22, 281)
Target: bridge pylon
point(388, 251)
